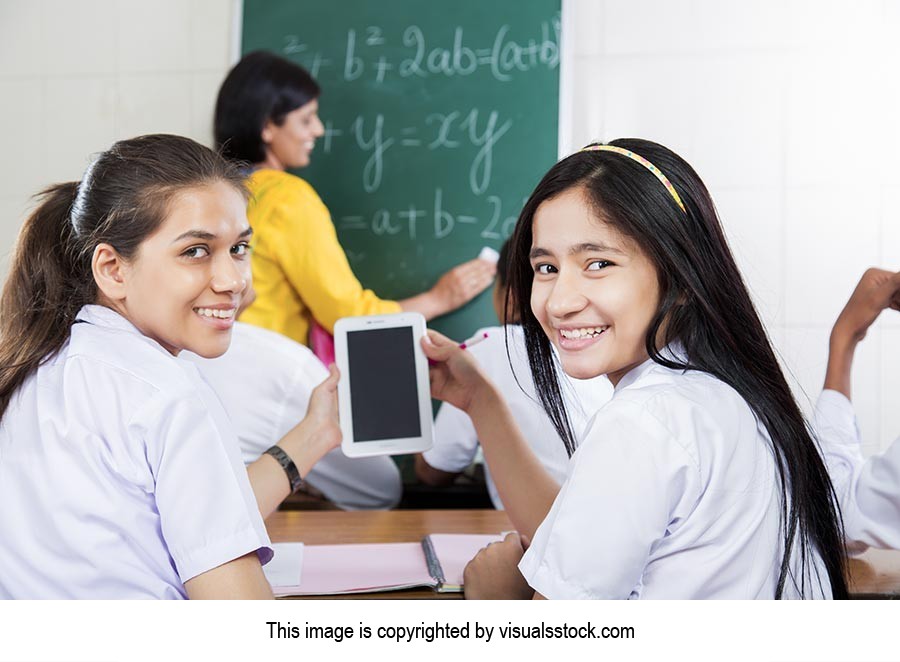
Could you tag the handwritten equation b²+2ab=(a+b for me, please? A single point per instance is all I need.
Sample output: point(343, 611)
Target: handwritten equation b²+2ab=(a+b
point(370, 55)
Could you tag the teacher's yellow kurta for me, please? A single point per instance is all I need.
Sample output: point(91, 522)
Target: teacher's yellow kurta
point(300, 271)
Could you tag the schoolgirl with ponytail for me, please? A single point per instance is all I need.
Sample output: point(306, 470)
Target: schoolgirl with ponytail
point(125, 474)
point(699, 479)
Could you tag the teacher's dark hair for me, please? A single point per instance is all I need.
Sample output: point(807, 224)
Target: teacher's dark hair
point(261, 88)
point(122, 199)
point(705, 305)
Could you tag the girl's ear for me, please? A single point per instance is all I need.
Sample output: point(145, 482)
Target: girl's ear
point(109, 271)
point(267, 130)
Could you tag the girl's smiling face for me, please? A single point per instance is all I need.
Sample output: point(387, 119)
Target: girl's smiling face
point(185, 284)
point(594, 291)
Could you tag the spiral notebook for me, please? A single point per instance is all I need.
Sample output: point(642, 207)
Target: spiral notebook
point(437, 561)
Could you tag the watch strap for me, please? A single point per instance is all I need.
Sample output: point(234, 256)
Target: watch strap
point(293, 474)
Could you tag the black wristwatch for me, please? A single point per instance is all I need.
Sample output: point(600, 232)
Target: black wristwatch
point(289, 467)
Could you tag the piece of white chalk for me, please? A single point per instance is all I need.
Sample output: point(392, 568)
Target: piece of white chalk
point(489, 254)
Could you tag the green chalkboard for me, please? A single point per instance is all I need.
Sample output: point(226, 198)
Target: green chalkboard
point(440, 118)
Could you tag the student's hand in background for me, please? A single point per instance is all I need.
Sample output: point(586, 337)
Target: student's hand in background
point(463, 283)
point(877, 290)
point(494, 574)
point(455, 376)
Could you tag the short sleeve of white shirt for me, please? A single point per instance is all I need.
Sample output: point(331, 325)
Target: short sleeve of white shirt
point(207, 511)
point(631, 461)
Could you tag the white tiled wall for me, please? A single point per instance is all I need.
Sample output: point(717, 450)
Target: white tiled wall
point(789, 111)
point(787, 108)
point(76, 75)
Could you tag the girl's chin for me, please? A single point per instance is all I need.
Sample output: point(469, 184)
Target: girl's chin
point(582, 371)
point(210, 349)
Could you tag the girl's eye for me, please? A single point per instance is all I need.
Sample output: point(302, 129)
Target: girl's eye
point(196, 252)
point(597, 265)
point(241, 249)
point(545, 269)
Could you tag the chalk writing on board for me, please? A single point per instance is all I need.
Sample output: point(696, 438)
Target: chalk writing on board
point(372, 54)
point(439, 119)
point(437, 221)
point(481, 129)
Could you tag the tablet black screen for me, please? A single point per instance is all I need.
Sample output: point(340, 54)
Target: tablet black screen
point(383, 391)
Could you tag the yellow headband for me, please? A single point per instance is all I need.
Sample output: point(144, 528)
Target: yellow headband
point(644, 162)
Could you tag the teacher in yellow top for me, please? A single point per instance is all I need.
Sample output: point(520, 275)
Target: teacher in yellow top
point(267, 117)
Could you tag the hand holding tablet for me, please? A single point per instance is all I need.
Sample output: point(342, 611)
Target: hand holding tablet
point(384, 393)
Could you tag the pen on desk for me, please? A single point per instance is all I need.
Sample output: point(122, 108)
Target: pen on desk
point(474, 340)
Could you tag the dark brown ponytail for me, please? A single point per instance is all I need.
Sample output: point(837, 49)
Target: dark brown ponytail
point(122, 200)
point(44, 291)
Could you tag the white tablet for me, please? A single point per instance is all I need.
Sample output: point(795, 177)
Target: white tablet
point(384, 396)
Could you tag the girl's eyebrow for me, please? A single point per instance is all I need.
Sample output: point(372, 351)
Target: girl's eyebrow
point(207, 236)
point(579, 248)
point(596, 248)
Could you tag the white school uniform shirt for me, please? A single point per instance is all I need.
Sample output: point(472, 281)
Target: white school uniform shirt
point(264, 381)
point(672, 494)
point(867, 490)
point(455, 439)
point(119, 476)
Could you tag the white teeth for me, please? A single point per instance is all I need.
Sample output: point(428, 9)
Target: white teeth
point(586, 332)
point(216, 313)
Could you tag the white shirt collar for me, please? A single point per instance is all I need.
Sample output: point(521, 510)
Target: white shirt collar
point(107, 318)
point(674, 351)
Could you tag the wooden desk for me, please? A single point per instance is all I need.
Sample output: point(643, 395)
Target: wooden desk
point(874, 574)
point(329, 528)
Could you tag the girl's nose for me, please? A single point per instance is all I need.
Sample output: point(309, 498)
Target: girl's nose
point(566, 297)
point(229, 276)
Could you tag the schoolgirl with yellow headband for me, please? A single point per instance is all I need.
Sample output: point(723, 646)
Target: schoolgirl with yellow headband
point(699, 479)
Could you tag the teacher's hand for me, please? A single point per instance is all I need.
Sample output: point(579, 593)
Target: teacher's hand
point(463, 283)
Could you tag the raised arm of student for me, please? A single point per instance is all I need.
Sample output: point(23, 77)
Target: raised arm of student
point(305, 444)
point(525, 486)
point(876, 291)
point(866, 490)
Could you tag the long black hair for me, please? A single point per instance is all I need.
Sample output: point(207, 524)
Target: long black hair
point(705, 305)
point(262, 87)
point(122, 199)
